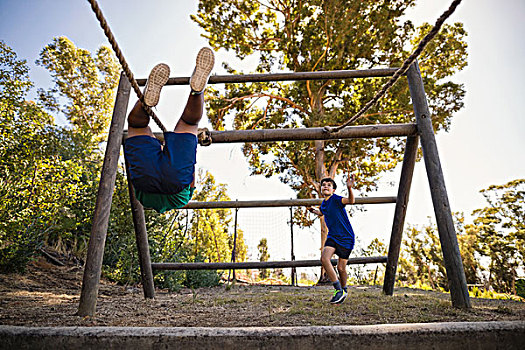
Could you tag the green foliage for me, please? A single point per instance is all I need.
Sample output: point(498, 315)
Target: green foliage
point(36, 180)
point(363, 274)
point(263, 255)
point(50, 172)
point(14, 84)
point(421, 259)
point(201, 278)
point(209, 234)
point(50, 176)
point(176, 236)
point(497, 234)
point(501, 233)
point(318, 36)
point(87, 83)
point(490, 294)
point(204, 238)
point(520, 287)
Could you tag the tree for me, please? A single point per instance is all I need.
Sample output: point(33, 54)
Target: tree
point(501, 231)
point(263, 256)
point(468, 243)
point(84, 91)
point(50, 172)
point(375, 248)
point(421, 257)
point(22, 153)
point(423, 251)
point(303, 36)
point(209, 235)
point(86, 83)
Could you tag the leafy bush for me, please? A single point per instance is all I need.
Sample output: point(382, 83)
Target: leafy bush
point(16, 254)
point(202, 278)
point(520, 287)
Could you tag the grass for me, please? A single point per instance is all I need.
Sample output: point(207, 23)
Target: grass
point(45, 299)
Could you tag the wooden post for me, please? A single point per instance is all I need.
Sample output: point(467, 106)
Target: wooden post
point(97, 239)
point(292, 254)
point(234, 242)
point(409, 160)
point(141, 235)
point(447, 234)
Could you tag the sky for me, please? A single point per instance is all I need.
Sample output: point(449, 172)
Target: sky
point(485, 144)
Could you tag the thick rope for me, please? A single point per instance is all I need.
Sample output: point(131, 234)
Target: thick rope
point(123, 63)
point(204, 137)
point(402, 70)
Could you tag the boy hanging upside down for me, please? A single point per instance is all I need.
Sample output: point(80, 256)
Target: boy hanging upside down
point(340, 239)
point(163, 176)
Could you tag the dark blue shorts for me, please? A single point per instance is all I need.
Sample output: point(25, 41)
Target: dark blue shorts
point(166, 170)
point(342, 252)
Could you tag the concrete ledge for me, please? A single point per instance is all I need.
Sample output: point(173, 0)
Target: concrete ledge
point(449, 336)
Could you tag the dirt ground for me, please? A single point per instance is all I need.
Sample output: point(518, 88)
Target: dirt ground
point(48, 295)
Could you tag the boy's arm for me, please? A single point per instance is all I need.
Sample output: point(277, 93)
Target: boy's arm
point(315, 211)
point(350, 182)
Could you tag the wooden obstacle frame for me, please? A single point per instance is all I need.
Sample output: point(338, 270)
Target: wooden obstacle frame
point(420, 130)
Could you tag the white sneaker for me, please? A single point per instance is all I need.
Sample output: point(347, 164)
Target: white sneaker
point(203, 66)
point(157, 79)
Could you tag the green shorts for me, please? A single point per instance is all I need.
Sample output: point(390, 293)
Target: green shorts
point(164, 202)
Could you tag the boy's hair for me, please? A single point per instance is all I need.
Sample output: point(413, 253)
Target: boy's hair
point(329, 179)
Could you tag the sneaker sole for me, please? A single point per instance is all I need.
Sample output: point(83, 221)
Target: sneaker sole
point(204, 64)
point(157, 79)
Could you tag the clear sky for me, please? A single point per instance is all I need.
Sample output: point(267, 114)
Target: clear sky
point(485, 146)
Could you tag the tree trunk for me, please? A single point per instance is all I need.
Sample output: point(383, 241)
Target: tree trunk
point(320, 168)
point(320, 173)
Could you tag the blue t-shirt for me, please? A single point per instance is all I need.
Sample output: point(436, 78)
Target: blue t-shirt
point(336, 218)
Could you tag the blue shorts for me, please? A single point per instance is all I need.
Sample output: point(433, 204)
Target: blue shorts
point(157, 169)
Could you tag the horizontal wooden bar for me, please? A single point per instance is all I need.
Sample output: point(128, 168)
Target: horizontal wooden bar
point(290, 76)
point(280, 203)
point(303, 134)
point(308, 134)
point(262, 264)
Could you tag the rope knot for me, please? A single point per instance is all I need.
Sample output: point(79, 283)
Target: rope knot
point(204, 136)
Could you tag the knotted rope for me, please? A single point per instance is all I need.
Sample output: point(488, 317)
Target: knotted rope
point(402, 70)
point(204, 137)
point(123, 63)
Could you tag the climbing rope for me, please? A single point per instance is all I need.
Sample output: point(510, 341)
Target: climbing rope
point(204, 137)
point(406, 64)
point(402, 70)
point(123, 63)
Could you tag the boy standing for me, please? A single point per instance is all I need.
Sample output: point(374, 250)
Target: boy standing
point(163, 175)
point(340, 239)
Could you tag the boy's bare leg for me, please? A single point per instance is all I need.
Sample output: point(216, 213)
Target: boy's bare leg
point(326, 256)
point(341, 268)
point(188, 122)
point(138, 117)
